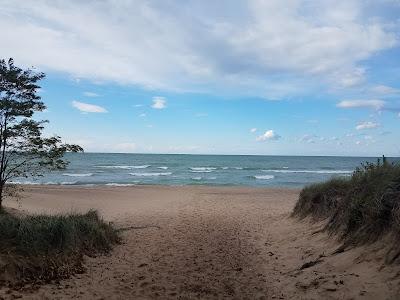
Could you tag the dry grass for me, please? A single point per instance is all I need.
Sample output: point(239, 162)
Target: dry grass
point(42, 248)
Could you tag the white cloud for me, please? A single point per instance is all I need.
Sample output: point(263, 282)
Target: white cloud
point(267, 45)
point(90, 94)
point(358, 142)
point(252, 130)
point(269, 135)
point(374, 104)
point(143, 115)
point(367, 125)
point(159, 103)
point(138, 105)
point(88, 108)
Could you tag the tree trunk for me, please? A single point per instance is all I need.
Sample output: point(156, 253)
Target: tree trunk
point(1, 196)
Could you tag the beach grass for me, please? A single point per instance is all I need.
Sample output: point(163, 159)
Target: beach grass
point(42, 248)
point(360, 209)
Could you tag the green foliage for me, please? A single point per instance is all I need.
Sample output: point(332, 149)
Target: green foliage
point(45, 247)
point(360, 209)
point(24, 151)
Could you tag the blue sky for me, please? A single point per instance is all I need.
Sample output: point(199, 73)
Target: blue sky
point(254, 77)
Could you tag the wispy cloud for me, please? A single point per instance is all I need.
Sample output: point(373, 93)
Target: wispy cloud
point(384, 90)
point(367, 125)
point(159, 103)
point(252, 130)
point(374, 104)
point(90, 94)
point(352, 78)
point(269, 135)
point(309, 138)
point(88, 108)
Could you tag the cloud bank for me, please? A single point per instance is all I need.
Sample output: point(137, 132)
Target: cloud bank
point(266, 45)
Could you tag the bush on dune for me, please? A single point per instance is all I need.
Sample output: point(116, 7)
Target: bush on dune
point(42, 248)
point(360, 209)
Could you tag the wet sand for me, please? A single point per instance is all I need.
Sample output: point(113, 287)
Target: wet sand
point(209, 243)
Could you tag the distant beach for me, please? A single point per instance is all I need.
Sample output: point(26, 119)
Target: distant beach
point(211, 170)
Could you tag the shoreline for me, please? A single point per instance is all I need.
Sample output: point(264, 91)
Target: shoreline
point(209, 242)
point(156, 185)
point(132, 185)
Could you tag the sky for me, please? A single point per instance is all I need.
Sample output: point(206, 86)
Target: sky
point(293, 77)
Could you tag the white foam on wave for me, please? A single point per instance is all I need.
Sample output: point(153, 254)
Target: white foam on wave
point(264, 177)
point(120, 184)
point(201, 171)
point(25, 182)
point(162, 168)
point(66, 183)
point(78, 174)
point(150, 174)
point(238, 168)
point(125, 167)
point(311, 171)
point(203, 168)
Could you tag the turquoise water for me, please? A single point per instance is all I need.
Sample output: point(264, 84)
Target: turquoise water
point(178, 169)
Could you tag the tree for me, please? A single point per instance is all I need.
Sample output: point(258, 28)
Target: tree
point(24, 150)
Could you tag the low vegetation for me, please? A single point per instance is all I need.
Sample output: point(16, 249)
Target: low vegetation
point(360, 209)
point(41, 248)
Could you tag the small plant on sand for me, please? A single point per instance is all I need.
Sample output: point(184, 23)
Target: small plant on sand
point(24, 151)
point(360, 209)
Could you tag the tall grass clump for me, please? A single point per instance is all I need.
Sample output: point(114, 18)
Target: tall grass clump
point(360, 209)
point(42, 248)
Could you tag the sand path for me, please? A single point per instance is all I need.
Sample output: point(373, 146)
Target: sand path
point(209, 243)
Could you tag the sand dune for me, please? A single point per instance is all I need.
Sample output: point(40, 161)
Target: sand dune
point(210, 243)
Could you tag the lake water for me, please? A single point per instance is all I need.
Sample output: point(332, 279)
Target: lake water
point(179, 169)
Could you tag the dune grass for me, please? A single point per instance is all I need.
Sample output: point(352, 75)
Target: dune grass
point(43, 248)
point(360, 209)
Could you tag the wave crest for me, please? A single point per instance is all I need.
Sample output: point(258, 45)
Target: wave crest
point(150, 174)
point(78, 174)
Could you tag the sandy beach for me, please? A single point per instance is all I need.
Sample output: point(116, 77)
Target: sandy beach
point(209, 243)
